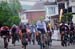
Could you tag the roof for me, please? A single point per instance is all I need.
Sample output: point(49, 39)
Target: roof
point(50, 3)
point(26, 5)
point(39, 10)
point(61, 0)
point(38, 6)
point(30, 0)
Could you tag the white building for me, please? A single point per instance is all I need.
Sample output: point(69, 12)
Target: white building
point(72, 5)
point(52, 12)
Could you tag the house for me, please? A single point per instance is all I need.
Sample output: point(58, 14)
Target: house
point(51, 8)
point(47, 8)
point(41, 8)
point(35, 15)
point(34, 12)
point(72, 5)
point(26, 5)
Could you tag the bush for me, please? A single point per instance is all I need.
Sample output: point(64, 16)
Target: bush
point(67, 17)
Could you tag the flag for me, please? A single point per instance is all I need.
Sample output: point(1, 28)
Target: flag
point(60, 17)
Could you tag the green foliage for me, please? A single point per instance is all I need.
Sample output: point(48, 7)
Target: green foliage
point(67, 17)
point(15, 7)
point(4, 12)
point(14, 20)
point(8, 16)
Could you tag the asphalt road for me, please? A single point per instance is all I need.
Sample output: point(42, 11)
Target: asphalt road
point(55, 45)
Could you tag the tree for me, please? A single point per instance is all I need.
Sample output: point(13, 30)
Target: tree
point(15, 7)
point(8, 16)
point(4, 12)
point(14, 20)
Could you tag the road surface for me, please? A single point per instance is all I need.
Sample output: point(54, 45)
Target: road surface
point(55, 45)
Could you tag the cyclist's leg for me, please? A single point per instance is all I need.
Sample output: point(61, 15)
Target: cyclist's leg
point(5, 43)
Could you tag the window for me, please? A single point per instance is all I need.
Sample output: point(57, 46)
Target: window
point(51, 10)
